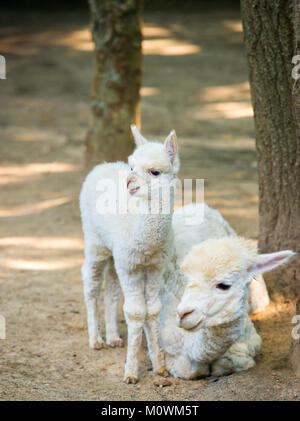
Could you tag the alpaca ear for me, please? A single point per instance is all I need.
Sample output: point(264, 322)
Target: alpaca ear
point(265, 262)
point(138, 138)
point(171, 146)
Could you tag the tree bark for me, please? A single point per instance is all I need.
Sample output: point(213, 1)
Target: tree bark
point(295, 348)
point(270, 34)
point(116, 30)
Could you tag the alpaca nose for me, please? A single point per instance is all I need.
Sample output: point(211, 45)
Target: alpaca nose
point(187, 313)
point(183, 313)
point(130, 179)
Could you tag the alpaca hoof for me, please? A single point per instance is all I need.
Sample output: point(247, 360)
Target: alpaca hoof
point(115, 343)
point(99, 345)
point(163, 372)
point(130, 379)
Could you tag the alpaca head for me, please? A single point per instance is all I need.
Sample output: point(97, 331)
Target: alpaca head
point(153, 165)
point(219, 272)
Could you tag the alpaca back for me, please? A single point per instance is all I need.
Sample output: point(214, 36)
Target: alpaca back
point(212, 225)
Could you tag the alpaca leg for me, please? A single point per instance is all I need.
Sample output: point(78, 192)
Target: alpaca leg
point(241, 355)
point(237, 358)
point(153, 304)
point(92, 273)
point(182, 367)
point(112, 294)
point(135, 310)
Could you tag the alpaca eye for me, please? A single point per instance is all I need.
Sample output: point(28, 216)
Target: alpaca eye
point(155, 172)
point(223, 286)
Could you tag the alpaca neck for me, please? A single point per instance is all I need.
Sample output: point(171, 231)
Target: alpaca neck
point(209, 344)
point(153, 225)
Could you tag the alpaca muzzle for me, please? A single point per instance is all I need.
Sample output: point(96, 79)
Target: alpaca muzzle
point(131, 180)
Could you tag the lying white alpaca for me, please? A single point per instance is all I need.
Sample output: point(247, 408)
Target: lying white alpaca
point(209, 223)
point(204, 326)
point(132, 247)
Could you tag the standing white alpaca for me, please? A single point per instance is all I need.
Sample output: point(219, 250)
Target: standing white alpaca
point(132, 246)
point(204, 326)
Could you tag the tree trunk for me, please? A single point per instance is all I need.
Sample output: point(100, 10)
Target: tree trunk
point(295, 349)
point(116, 29)
point(270, 30)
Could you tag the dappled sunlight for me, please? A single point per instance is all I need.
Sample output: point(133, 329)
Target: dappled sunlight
point(30, 44)
point(27, 44)
point(234, 25)
point(237, 91)
point(19, 45)
point(149, 91)
point(234, 202)
point(78, 40)
point(229, 110)
point(169, 47)
point(81, 40)
point(32, 208)
point(248, 188)
point(45, 265)
point(155, 31)
point(59, 243)
point(17, 173)
point(36, 135)
point(249, 212)
point(37, 168)
point(236, 28)
point(229, 101)
point(225, 141)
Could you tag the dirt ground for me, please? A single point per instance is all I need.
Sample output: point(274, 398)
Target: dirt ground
point(195, 80)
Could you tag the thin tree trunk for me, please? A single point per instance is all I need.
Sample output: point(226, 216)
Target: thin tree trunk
point(269, 33)
point(116, 29)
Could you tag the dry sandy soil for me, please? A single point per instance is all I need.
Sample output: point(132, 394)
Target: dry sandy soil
point(195, 80)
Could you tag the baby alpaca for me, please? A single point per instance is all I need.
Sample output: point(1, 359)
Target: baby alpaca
point(131, 248)
point(209, 223)
point(212, 332)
